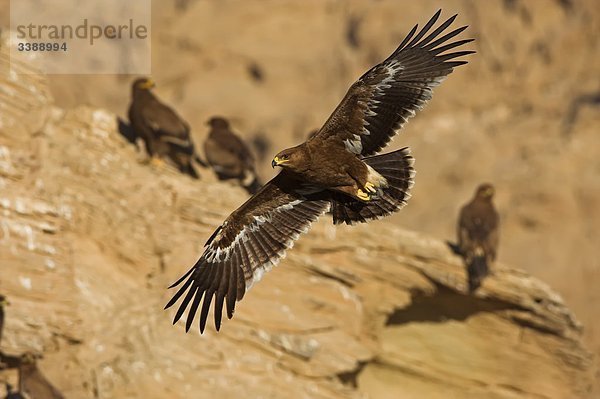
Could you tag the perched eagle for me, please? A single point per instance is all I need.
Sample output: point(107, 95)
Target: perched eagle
point(164, 133)
point(336, 170)
point(229, 156)
point(477, 232)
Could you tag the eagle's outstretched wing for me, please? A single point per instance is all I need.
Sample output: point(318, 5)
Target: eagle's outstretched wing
point(250, 241)
point(383, 99)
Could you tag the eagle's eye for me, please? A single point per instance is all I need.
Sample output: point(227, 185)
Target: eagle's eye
point(285, 157)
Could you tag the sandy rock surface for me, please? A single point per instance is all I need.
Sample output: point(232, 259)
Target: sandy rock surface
point(498, 119)
point(90, 236)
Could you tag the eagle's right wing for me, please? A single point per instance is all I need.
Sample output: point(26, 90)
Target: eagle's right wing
point(250, 241)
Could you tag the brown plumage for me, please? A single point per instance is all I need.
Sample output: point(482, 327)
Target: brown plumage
point(33, 383)
point(335, 169)
point(229, 156)
point(477, 231)
point(165, 134)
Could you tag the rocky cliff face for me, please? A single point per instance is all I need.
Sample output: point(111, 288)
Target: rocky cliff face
point(90, 236)
point(499, 119)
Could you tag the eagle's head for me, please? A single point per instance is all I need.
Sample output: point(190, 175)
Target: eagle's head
point(290, 158)
point(485, 191)
point(143, 84)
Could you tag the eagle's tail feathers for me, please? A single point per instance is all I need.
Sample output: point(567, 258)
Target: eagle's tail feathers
point(397, 169)
point(477, 270)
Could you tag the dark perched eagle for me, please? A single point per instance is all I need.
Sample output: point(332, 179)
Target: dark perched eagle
point(336, 170)
point(33, 383)
point(229, 156)
point(477, 232)
point(164, 133)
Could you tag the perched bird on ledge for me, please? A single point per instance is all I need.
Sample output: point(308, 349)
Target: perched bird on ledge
point(335, 169)
point(477, 231)
point(164, 133)
point(229, 156)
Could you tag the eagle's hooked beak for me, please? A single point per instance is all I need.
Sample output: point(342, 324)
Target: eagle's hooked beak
point(278, 161)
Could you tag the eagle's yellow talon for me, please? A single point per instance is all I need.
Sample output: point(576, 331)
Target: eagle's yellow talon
point(370, 187)
point(362, 195)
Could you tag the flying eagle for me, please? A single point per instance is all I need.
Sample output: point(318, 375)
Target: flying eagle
point(164, 133)
point(229, 156)
point(478, 235)
point(336, 170)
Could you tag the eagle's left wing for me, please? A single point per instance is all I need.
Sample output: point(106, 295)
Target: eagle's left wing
point(250, 241)
point(383, 99)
